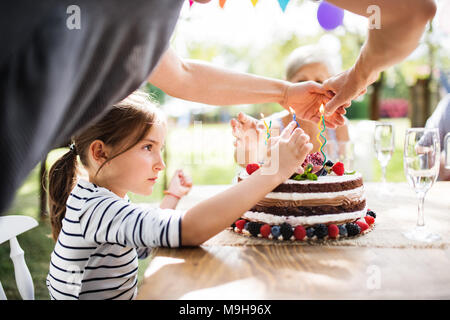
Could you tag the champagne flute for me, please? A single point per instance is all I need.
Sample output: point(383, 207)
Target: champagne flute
point(421, 158)
point(384, 146)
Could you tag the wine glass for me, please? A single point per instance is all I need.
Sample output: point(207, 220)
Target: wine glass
point(342, 151)
point(346, 151)
point(384, 146)
point(421, 158)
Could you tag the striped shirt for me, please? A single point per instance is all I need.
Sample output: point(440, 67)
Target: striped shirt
point(102, 236)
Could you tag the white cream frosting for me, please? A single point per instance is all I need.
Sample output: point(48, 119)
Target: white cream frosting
point(315, 195)
point(295, 221)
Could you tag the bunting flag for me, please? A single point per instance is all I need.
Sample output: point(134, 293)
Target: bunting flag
point(283, 4)
point(328, 15)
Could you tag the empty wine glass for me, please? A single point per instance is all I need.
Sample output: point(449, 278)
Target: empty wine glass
point(421, 158)
point(346, 151)
point(384, 145)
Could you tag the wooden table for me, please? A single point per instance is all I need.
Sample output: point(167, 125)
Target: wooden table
point(305, 272)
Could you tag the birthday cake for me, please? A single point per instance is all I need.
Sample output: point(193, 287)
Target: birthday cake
point(324, 202)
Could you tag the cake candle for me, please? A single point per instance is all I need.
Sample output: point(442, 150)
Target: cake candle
point(294, 117)
point(267, 127)
point(322, 119)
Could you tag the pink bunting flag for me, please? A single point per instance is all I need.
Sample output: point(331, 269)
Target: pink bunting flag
point(191, 2)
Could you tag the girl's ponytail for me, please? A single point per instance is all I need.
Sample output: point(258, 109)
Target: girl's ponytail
point(61, 179)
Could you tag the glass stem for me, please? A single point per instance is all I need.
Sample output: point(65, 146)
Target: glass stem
point(420, 217)
point(383, 175)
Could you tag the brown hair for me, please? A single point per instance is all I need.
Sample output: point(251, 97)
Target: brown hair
point(127, 123)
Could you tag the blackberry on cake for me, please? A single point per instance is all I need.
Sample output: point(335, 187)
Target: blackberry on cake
point(320, 230)
point(352, 229)
point(286, 231)
point(253, 228)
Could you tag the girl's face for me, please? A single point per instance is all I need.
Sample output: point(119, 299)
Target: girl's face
point(137, 169)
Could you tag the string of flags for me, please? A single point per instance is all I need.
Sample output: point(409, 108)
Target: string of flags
point(328, 15)
point(283, 3)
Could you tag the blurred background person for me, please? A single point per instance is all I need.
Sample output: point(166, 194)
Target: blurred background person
point(441, 119)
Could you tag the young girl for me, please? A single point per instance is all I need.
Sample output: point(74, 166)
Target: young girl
point(100, 234)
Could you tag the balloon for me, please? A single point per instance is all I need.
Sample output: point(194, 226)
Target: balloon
point(329, 16)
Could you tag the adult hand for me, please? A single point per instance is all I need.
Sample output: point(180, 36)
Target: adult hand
point(346, 87)
point(306, 98)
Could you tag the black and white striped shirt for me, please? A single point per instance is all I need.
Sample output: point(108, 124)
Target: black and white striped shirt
point(102, 236)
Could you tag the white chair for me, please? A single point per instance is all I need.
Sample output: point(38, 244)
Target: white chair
point(10, 228)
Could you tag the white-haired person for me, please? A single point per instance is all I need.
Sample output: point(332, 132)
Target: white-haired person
point(306, 63)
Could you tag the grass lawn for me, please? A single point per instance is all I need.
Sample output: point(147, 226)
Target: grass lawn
point(205, 152)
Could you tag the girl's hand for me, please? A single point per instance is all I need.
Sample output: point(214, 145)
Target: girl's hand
point(181, 184)
point(247, 131)
point(292, 146)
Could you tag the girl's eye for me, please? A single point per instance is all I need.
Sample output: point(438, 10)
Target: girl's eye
point(148, 147)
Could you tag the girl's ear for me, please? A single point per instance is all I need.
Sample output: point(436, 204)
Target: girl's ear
point(98, 151)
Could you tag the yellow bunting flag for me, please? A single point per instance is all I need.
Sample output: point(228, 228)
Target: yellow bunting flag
point(254, 2)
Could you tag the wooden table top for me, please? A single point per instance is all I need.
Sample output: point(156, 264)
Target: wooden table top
point(302, 271)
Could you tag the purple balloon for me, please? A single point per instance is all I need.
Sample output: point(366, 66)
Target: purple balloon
point(329, 16)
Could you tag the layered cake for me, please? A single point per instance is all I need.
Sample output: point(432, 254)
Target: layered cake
point(321, 203)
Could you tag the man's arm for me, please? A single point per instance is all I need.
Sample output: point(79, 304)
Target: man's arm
point(202, 82)
point(402, 23)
